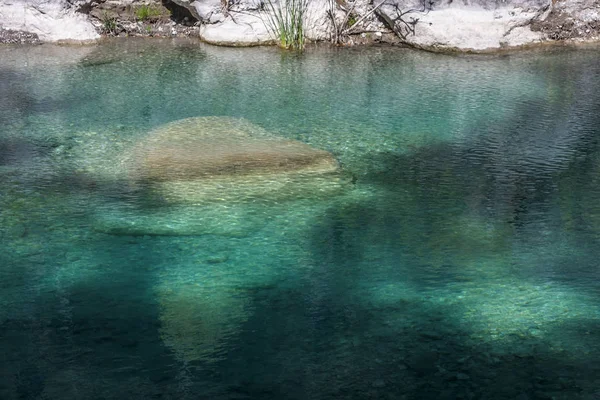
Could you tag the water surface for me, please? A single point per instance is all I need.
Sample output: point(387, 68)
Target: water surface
point(460, 262)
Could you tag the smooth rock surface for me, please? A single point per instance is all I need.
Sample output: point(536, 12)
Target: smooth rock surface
point(245, 30)
point(479, 25)
point(211, 159)
point(470, 27)
point(246, 25)
point(51, 20)
point(210, 11)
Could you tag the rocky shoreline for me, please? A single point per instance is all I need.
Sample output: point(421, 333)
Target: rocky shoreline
point(8, 36)
point(437, 25)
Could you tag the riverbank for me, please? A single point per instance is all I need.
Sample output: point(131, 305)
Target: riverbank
point(8, 36)
point(441, 26)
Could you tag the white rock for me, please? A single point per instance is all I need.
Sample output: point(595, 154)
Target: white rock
point(209, 11)
point(245, 30)
point(250, 27)
point(51, 20)
point(318, 24)
point(472, 28)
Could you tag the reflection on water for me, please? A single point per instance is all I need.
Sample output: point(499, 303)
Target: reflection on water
point(454, 255)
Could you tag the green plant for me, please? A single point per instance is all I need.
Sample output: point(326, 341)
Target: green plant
point(146, 12)
point(285, 20)
point(351, 21)
point(109, 23)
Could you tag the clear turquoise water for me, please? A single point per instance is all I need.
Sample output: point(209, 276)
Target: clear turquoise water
point(462, 263)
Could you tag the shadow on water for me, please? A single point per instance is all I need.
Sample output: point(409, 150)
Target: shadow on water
point(374, 311)
point(313, 340)
point(299, 347)
point(14, 106)
point(441, 209)
point(411, 344)
point(86, 327)
point(320, 336)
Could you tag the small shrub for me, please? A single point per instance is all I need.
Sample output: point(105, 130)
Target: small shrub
point(351, 21)
point(109, 24)
point(146, 12)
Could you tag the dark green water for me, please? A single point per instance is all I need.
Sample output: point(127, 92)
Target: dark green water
point(461, 263)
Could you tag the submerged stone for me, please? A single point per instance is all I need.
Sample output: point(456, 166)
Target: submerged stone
point(207, 159)
point(198, 321)
point(217, 176)
point(211, 219)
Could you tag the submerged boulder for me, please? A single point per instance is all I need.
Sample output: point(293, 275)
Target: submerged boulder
point(215, 176)
point(208, 159)
point(198, 321)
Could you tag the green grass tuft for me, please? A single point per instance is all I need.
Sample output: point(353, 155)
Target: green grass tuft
point(109, 24)
point(146, 12)
point(285, 20)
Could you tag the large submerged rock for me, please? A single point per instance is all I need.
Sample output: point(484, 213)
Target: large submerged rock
point(208, 159)
point(217, 176)
point(198, 321)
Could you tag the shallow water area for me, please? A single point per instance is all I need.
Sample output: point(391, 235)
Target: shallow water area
point(457, 256)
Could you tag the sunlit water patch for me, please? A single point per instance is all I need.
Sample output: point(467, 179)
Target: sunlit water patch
point(183, 221)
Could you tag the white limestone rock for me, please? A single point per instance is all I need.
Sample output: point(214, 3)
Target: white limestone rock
point(51, 20)
point(472, 28)
point(246, 25)
point(244, 30)
point(209, 11)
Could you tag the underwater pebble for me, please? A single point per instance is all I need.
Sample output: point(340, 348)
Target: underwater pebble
point(217, 259)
